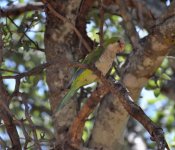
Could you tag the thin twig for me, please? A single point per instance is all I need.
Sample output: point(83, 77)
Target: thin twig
point(1, 44)
point(28, 117)
point(7, 70)
point(81, 22)
point(19, 122)
point(34, 43)
point(26, 30)
point(34, 71)
point(3, 144)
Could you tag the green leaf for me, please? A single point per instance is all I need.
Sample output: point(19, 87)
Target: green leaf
point(157, 92)
point(170, 119)
point(159, 83)
point(165, 77)
point(164, 63)
point(89, 124)
point(151, 84)
point(152, 101)
point(159, 71)
point(85, 136)
point(169, 71)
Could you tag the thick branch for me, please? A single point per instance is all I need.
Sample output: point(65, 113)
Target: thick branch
point(142, 64)
point(76, 129)
point(15, 10)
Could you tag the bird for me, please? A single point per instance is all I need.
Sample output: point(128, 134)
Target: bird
point(103, 58)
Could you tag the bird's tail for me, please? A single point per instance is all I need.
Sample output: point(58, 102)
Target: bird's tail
point(66, 98)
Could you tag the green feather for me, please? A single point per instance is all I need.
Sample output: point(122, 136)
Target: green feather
point(80, 81)
point(66, 98)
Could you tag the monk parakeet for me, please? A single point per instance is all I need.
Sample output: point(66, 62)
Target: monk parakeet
point(102, 58)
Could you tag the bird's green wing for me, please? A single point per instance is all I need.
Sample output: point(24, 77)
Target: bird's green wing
point(86, 77)
point(92, 57)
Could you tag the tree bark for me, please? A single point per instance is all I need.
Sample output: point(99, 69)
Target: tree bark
point(60, 42)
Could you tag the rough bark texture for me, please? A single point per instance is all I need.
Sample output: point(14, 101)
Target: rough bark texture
point(60, 41)
point(110, 125)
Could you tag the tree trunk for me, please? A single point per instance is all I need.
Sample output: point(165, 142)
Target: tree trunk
point(60, 42)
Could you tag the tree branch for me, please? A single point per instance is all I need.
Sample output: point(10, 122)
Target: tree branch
point(142, 64)
point(128, 24)
point(24, 33)
point(76, 129)
point(28, 118)
point(145, 10)
point(81, 20)
point(16, 10)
